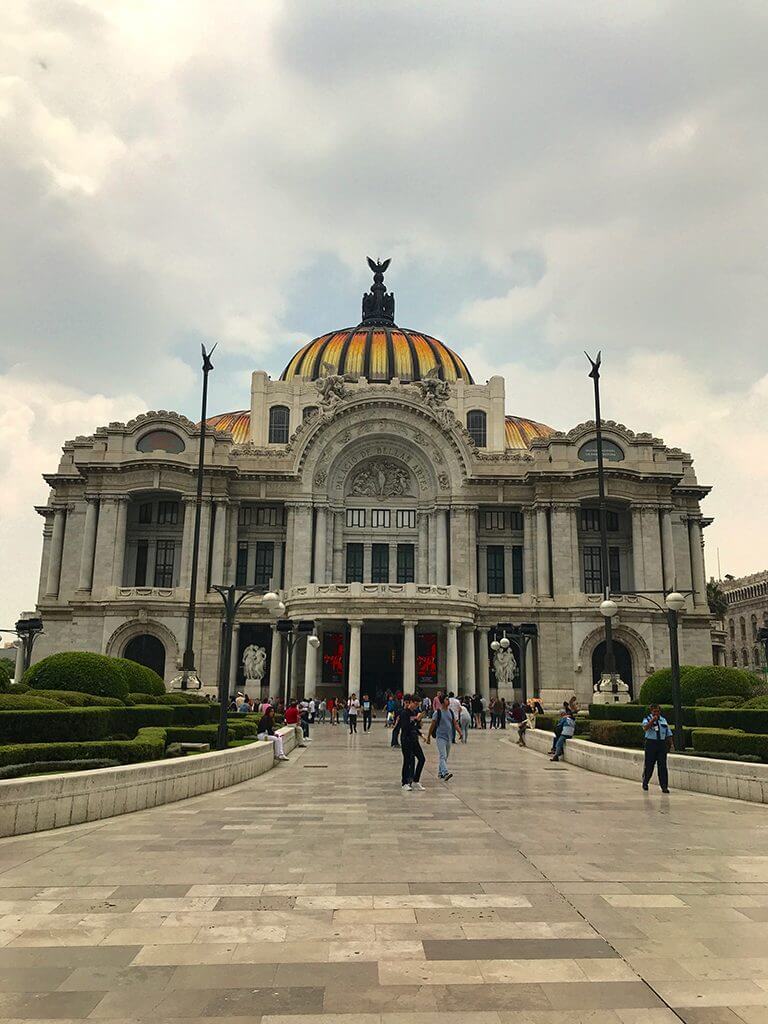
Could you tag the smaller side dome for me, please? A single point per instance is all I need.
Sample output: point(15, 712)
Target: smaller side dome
point(520, 431)
point(237, 423)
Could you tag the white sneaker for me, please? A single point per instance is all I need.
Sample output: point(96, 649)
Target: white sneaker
point(283, 758)
point(417, 785)
point(408, 786)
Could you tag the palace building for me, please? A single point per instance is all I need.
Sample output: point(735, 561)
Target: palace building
point(390, 499)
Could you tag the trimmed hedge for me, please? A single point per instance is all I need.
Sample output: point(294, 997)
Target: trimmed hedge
point(73, 699)
point(7, 669)
point(82, 671)
point(80, 724)
point(140, 679)
point(636, 713)
point(623, 734)
point(22, 702)
point(189, 714)
point(208, 733)
point(18, 771)
point(752, 720)
point(730, 741)
point(548, 722)
point(760, 703)
point(149, 745)
point(698, 681)
point(728, 701)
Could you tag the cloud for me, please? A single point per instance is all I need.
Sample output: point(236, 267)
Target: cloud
point(548, 177)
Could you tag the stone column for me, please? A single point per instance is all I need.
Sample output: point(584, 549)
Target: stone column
point(219, 542)
point(441, 547)
point(482, 569)
point(121, 528)
point(277, 559)
point(638, 565)
point(104, 558)
point(310, 669)
point(337, 573)
point(290, 526)
point(452, 657)
point(89, 544)
point(57, 547)
point(483, 663)
point(409, 655)
point(18, 671)
point(696, 541)
point(233, 662)
point(458, 519)
point(187, 539)
point(232, 538)
point(302, 545)
point(432, 562)
point(205, 547)
point(529, 548)
point(562, 550)
point(651, 547)
point(276, 664)
point(320, 547)
point(423, 549)
point(668, 550)
point(542, 554)
point(355, 627)
point(472, 550)
point(468, 667)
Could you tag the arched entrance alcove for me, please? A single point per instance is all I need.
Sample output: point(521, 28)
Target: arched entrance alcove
point(147, 650)
point(623, 663)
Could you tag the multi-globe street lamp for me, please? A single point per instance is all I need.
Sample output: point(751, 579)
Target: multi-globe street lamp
point(674, 602)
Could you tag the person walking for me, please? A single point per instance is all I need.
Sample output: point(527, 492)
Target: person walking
point(492, 711)
point(501, 712)
point(477, 710)
point(330, 705)
point(367, 712)
point(658, 740)
point(413, 756)
point(465, 721)
point(353, 706)
point(443, 728)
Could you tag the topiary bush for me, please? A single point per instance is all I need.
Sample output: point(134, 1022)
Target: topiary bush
point(730, 741)
point(140, 679)
point(636, 713)
point(759, 703)
point(45, 726)
point(696, 682)
point(7, 669)
point(728, 701)
point(73, 699)
point(149, 745)
point(24, 702)
point(623, 734)
point(82, 671)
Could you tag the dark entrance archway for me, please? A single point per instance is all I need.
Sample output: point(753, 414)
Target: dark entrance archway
point(381, 666)
point(623, 663)
point(147, 650)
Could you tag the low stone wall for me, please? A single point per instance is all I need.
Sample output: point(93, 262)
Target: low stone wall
point(52, 801)
point(737, 779)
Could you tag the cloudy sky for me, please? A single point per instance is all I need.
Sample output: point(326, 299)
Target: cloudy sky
point(547, 177)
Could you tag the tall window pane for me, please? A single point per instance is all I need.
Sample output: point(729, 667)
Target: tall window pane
point(614, 566)
point(168, 513)
point(517, 569)
point(354, 563)
point(142, 551)
point(495, 555)
point(279, 419)
point(164, 563)
point(241, 573)
point(265, 560)
point(476, 425)
point(405, 563)
point(593, 577)
point(380, 563)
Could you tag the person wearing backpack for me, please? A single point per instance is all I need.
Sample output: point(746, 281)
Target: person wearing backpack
point(444, 728)
point(567, 730)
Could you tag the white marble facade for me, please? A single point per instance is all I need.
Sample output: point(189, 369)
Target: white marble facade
point(383, 520)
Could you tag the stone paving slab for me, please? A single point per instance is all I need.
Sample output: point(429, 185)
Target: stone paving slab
point(511, 895)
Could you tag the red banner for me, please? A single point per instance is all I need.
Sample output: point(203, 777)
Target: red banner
point(426, 659)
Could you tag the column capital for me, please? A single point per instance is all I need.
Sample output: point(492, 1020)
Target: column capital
point(453, 625)
point(355, 623)
point(410, 623)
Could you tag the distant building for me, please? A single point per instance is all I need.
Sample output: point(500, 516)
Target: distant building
point(747, 599)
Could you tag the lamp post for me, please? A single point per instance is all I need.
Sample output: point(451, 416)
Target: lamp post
point(609, 663)
point(674, 602)
point(293, 632)
point(28, 628)
point(188, 672)
point(232, 597)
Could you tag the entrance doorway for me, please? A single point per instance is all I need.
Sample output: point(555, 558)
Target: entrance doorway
point(623, 663)
point(148, 651)
point(381, 664)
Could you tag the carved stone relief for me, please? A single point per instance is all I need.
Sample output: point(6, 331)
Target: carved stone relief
point(381, 478)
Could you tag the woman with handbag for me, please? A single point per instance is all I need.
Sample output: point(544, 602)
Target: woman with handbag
point(658, 740)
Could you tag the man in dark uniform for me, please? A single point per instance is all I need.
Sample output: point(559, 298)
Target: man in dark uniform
point(408, 722)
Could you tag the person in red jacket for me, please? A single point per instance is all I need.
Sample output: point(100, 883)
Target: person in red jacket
point(292, 714)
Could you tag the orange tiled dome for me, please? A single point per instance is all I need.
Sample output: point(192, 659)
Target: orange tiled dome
point(379, 353)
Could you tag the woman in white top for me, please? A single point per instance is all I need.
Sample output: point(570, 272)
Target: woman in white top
point(353, 706)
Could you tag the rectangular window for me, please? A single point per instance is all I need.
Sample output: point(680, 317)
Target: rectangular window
point(142, 551)
point(267, 516)
point(405, 562)
point(245, 515)
point(494, 520)
point(495, 557)
point(517, 569)
point(355, 517)
point(614, 566)
point(380, 563)
point(593, 575)
point(145, 513)
point(612, 521)
point(590, 522)
point(354, 563)
point(164, 556)
point(265, 561)
point(380, 517)
point(405, 518)
point(241, 572)
point(167, 513)
point(516, 520)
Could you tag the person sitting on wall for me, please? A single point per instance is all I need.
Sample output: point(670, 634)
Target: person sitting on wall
point(267, 732)
point(567, 730)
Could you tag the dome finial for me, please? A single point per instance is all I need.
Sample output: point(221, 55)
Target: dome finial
point(378, 303)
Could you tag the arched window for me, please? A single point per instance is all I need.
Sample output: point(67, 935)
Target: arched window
point(476, 425)
point(756, 657)
point(745, 658)
point(160, 441)
point(743, 627)
point(754, 626)
point(308, 411)
point(732, 628)
point(734, 659)
point(279, 420)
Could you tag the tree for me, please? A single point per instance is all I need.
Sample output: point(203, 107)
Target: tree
point(716, 599)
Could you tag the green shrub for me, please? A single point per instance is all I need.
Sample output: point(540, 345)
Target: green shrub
point(623, 734)
point(728, 701)
point(50, 726)
point(548, 722)
point(140, 679)
point(73, 699)
point(759, 703)
point(149, 745)
point(23, 702)
point(636, 713)
point(752, 720)
point(189, 714)
point(82, 671)
point(19, 688)
point(696, 682)
point(7, 669)
point(208, 733)
point(17, 771)
point(173, 698)
point(730, 741)
point(142, 698)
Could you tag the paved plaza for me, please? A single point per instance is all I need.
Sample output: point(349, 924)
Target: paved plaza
point(521, 891)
